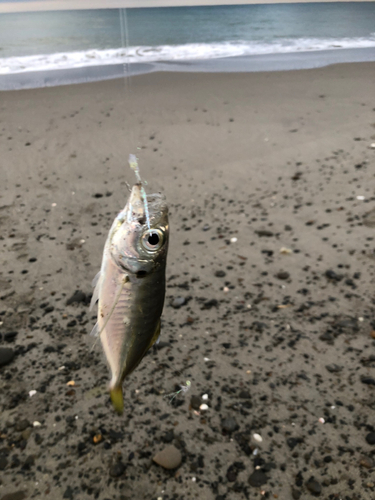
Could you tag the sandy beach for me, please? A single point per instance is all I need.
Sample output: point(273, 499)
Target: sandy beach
point(270, 180)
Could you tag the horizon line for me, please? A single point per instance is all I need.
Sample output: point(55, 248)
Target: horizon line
point(53, 5)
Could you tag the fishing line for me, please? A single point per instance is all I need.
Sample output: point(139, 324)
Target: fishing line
point(133, 160)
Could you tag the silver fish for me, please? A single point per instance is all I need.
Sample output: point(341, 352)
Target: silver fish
point(130, 287)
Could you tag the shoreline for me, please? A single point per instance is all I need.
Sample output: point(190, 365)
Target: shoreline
point(237, 64)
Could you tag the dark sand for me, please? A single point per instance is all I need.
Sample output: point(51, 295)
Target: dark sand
point(278, 343)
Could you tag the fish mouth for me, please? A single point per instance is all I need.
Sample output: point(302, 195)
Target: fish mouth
point(146, 210)
point(136, 206)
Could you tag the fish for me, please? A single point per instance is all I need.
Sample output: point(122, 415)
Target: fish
point(130, 286)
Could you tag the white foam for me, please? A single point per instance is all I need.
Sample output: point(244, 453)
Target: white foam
point(191, 51)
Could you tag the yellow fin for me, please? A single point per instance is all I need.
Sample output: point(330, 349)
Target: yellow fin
point(155, 336)
point(117, 399)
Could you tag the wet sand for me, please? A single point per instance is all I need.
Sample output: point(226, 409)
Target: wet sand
point(282, 343)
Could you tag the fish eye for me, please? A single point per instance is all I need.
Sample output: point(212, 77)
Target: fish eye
point(152, 240)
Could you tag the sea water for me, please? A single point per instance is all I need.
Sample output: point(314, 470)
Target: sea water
point(67, 40)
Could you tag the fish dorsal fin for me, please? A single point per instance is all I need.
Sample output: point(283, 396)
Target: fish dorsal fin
point(95, 295)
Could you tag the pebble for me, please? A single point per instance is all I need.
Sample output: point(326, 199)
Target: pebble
point(229, 424)
point(327, 337)
point(220, 274)
point(6, 355)
point(367, 380)
point(285, 251)
point(257, 478)
point(331, 275)
point(168, 437)
point(264, 232)
point(370, 438)
point(334, 368)
point(78, 297)
point(282, 275)
point(22, 425)
point(296, 494)
point(10, 336)
point(117, 469)
point(195, 402)
point(178, 302)
point(169, 458)
point(314, 487)
point(367, 462)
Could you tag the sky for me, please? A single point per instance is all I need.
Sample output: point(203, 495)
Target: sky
point(32, 5)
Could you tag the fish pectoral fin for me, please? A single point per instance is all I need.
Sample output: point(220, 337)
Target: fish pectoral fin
point(95, 294)
point(96, 279)
point(95, 331)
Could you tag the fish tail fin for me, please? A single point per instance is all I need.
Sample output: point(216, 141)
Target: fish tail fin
point(117, 399)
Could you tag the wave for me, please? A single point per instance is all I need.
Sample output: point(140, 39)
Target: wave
point(191, 51)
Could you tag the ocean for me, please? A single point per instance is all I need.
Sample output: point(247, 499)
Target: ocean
point(62, 46)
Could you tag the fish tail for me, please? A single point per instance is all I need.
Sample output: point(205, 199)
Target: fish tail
point(117, 399)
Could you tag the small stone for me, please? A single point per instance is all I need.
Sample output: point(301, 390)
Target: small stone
point(17, 495)
point(229, 424)
point(264, 232)
point(257, 478)
point(26, 433)
point(117, 469)
point(327, 337)
point(367, 462)
point(10, 336)
point(168, 437)
point(282, 275)
point(292, 442)
point(22, 425)
point(177, 302)
point(6, 355)
point(78, 297)
point(244, 394)
point(169, 458)
point(220, 274)
point(370, 438)
point(331, 275)
point(296, 494)
point(97, 438)
point(367, 380)
point(334, 368)
point(195, 402)
point(314, 487)
point(285, 251)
